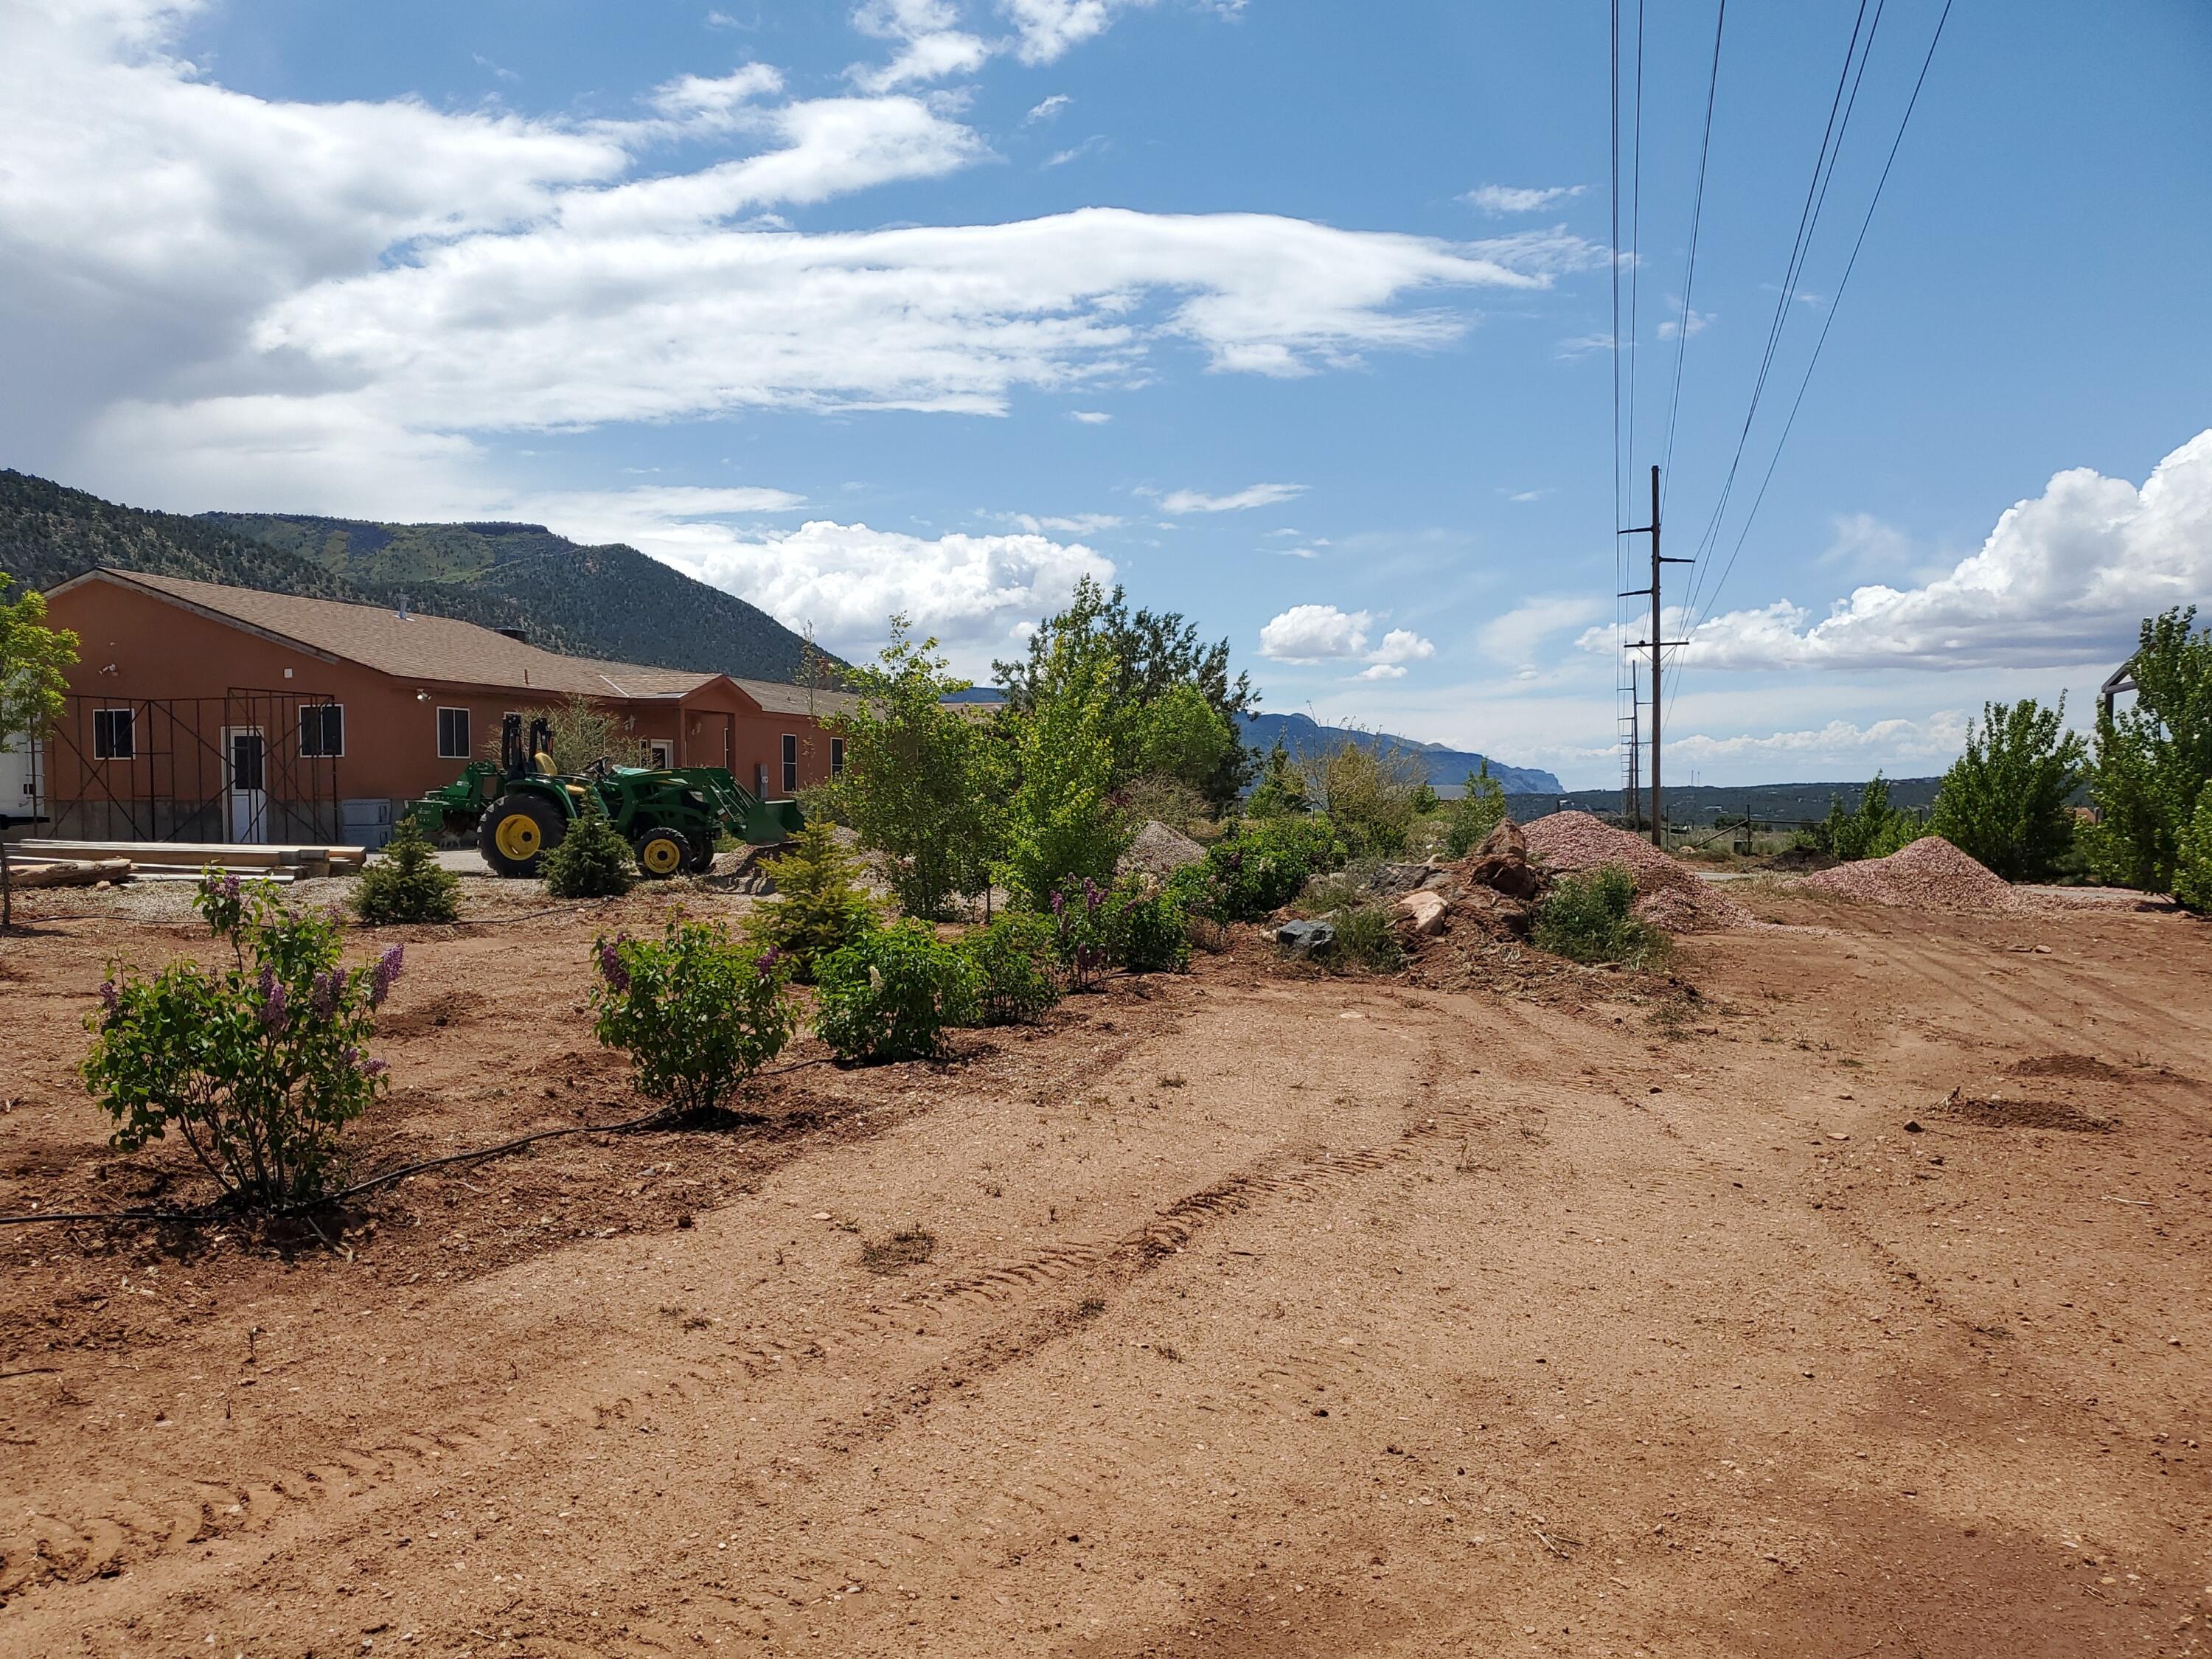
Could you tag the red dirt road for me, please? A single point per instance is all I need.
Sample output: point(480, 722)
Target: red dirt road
point(1266, 1316)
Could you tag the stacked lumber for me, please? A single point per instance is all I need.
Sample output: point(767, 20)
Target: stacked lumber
point(68, 873)
point(160, 859)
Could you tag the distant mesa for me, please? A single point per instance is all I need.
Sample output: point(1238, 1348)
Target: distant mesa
point(1304, 737)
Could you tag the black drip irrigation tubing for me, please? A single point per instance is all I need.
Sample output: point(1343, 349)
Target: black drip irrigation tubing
point(198, 1218)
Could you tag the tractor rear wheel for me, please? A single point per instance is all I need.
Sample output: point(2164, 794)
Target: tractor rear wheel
point(517, 831)
point(662, 853)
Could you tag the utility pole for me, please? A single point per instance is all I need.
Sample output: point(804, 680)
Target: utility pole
point(1635, 803)
point(1656, 644)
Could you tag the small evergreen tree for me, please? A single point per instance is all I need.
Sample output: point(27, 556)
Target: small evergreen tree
point(1282, 789)
point(820, 907)
point(1481, 810)
point(592, 861)
point(407, 883)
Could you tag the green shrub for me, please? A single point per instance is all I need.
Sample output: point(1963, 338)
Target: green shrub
point(2193, 864)
point(2154, 757)
point(1202, 896)
point(1264, 865)
point(2003, 801)
point(819, 907)
point(1474, 814)
point(1590, 917)
point(407, 883)
point(1082, 932)
point(259, 1067)
point(1370, 791)
point(1147, 932)
point(592, 861)
point(1282, 788)
point(697, 1012)
point(893, 995)
point(1367, 936)
point(1012, 958)
point(1873, 830)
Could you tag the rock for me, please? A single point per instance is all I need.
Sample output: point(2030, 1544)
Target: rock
point(1303, 938)
point(1423, 911)
point(1388, 880)
point(1444, 882)
point(1502, 864)
point(1157, 850)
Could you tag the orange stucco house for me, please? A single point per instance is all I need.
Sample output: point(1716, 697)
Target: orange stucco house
point(198, 712)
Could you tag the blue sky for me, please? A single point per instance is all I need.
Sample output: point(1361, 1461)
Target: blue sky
point(1295, 317)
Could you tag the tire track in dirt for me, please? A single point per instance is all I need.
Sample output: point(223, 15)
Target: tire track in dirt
point(138, 1526)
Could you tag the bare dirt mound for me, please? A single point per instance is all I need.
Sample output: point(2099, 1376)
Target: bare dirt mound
point(1929, 874)
point(2025, 1114)
point(1159, 851)
point(1668, 895)
point(2087, 1067)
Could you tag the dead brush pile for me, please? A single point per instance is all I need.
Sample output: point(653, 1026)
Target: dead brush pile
point(1927, 874)
point(1667, 895)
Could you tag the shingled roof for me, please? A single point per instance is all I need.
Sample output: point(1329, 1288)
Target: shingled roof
point(419, 648)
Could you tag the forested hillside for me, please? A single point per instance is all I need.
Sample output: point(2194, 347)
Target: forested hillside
point(611, 602)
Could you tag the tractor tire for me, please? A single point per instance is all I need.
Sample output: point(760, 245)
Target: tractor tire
point(702, 857)
point(516, 832)
point(662, 853)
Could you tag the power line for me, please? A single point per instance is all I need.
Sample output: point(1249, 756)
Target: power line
point(1690, 268)
point(1798, 245)
point(1852, 263)
point(1635, 227)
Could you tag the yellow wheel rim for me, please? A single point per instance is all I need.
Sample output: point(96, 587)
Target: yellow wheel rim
point(517, 836)
point(661, 855)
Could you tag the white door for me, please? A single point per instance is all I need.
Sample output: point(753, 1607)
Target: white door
point(246, 785)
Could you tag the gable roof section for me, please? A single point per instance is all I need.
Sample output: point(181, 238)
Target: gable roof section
point(776, 698)
point(414, 647)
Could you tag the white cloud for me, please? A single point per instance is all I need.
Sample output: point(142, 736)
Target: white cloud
point(1939, 738)
point(722, 20)
point(1258, 495)
point(2064, 578)
point(1513, 636)
point(1090, 416)
point(1081, 523)
point(1045, 30)
point(1297, 552)
point(1048, 109)
point(1864, 542)
point(1402, 645)
point(1509, 199)
point(1061, 157)
point(345, 286)
point(1323, 633)
point(1694, 324)
point(1314, 633)
point(842, 580)
point(932, 46)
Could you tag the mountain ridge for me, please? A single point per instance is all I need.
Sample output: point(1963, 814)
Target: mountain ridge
point(609, 601)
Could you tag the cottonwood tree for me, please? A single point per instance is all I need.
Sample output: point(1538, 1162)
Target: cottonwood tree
point(2154, 760)
point(2004, 800)
point(34, 661)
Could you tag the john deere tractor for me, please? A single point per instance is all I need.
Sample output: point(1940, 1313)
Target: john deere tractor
point(670, 816)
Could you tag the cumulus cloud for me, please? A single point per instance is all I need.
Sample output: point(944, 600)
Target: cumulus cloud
point(931, 45)
point(1258, 495)
point(1323, 633)
point(1510, 198)
point(1047, 30)
point(2065, 578)
point(840, 580)
point(1314, 633)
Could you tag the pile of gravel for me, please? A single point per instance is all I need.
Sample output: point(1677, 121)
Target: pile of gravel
point(1927, 874)
point(1669, 895)
point(1159, 851)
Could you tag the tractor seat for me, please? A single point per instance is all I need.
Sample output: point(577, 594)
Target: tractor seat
point(544, 764)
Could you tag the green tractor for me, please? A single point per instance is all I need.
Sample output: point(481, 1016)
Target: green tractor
point(671, 817)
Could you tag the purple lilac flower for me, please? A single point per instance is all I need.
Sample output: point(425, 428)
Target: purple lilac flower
point(374, 1067)
point(613, 968)
point(1059, 904)
point(272, 1000)
point(108, 995)
point(386, 971)
point(323, 999)
point(766, 961)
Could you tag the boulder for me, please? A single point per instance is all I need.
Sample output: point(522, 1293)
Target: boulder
point(1502, 864)
point(1303, 938)
point(1422, 911)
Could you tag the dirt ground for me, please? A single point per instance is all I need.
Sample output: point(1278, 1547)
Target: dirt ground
point(1504, 1309)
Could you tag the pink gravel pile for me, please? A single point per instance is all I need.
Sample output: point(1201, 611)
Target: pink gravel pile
point(1669, 896)
point(1927, 874)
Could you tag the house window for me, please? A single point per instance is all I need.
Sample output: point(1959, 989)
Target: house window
point(836, 757)
point(663, 752)
point(115, 734)
point(452, 734)
point(322, 730)
point(790, 763)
